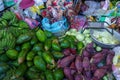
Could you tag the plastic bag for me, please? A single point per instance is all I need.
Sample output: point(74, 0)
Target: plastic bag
point(116, 63)
point(78, 22)
point(92, 7)
point(1, 5)
point(8, 3)
point(58, 28)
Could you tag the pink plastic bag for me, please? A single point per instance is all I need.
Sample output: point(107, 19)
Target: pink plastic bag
point(78, 22)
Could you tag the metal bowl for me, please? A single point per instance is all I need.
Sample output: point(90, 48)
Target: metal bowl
point(115, 35)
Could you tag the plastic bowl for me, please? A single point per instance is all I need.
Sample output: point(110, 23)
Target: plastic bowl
point(115, 35)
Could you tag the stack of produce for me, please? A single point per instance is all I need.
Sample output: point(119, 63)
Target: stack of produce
point(91, 65)
point(38, 55)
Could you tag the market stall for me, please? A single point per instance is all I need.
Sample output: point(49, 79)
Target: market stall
point(59, 40)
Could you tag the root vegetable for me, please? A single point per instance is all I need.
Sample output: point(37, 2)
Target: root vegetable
point(66, 61)
point(86, 63)
point(67, 72)
point(73, 71)
point(73, 51)
point(93, 67)
point(85, 54)
point(99, 73)
point(78, 64)
point(109, 58)
point(90, 48)
point(72, 66)
point(66, 52)
point(78, 77)
point(97, 58)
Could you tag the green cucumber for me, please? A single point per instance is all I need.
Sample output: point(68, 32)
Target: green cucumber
point(23, 38)
point(49, 75)
point(39, 63)
point(41, 35)
point(58, 74)
point(47, 44)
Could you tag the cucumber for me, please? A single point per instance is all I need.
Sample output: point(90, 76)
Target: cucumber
point(39, 63)
point(48, 58)
point(58, 74)
point(31, 75)
point(48, 34)
point(41, 35)
point(55, 45)
point(57, 55)
point(23, 38)
point(29, 63)
point(39, 53)
point(49, 75)
point(15, 63)
point(34, 69)
point(30, 56)
point(34, 40)
point(12, 54)
point(20, 71)
point(47, 44)
point(4, 58)
point(23, 53)
point(38, 47)
point(21, 56)
point(65, 44)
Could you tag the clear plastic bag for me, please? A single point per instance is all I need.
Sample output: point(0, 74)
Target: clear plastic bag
point(92, 7)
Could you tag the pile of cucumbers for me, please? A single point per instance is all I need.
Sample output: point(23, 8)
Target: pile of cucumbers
point(35, 56)
point(31, 54)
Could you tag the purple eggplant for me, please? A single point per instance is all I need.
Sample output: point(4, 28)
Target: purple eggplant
point(66, 52)
point(68, 75)
point(78, 64)
point(97, 58)
point(86, 63)
point(86, 78)
point(66, 61)
point(73, 51)
point(78, 77)
point(109, 58)
point(90, 48)
point(95, 78)
point(99, 73)
point(107, 67)
point(73, 71)
point(93, 67)
point(88, 74)
point(72, 65)
point(85, 53)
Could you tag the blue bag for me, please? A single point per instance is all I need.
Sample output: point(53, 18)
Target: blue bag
point(58, 28)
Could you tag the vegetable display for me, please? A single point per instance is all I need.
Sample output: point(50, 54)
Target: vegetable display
point(39, 55)
point(90, 65)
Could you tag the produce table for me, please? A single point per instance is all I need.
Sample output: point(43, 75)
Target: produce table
point(58, 51)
